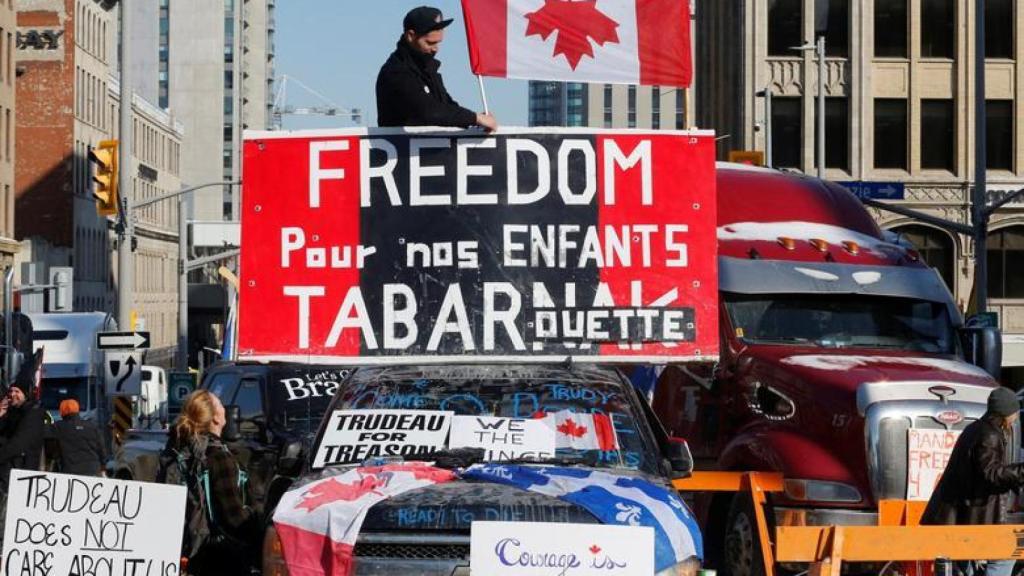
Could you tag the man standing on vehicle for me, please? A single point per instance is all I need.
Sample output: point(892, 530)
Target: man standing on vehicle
point(21, 431)
point(978, 475)
point(410, 91)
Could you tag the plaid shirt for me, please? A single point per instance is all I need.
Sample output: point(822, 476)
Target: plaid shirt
point(227, 497)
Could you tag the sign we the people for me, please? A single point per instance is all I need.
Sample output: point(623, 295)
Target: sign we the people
point(393, 245)
point(64, 524)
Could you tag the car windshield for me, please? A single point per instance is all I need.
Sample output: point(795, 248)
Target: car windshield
point(842, 321)
point(586, 418)
point(299, 396)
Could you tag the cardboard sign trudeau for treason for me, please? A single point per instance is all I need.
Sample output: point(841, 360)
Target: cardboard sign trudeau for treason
point(399, 246)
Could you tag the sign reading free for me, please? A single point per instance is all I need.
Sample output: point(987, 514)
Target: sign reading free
point(392, 245)
point(542, 549)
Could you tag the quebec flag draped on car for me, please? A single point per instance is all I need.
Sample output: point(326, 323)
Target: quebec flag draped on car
point(318, 523)
point(612, 499)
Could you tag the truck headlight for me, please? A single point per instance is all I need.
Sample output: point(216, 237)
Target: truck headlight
point(273, 555)
point(688, 567)
point(821, 491)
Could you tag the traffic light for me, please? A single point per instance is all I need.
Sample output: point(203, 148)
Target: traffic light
point(104, 178)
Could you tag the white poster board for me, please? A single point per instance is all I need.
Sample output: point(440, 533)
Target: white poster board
point(355, 435)
point(543, 549)
point(928, 452)
point(504, 438)
point(64, 524)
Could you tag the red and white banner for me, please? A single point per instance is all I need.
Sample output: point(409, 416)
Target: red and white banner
point(318, 523)
point(394, 246)
point(618, 41)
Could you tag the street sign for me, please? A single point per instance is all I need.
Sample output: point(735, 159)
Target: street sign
point(180, 385)
point(123, 374)
point(876, 190)
point(122, 340)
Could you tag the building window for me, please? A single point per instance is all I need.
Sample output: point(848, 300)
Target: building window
point(891, 28)
point(607, 105)
point(785, 26)
point(787, 132)
point(680, 110)
point(631, 111)
point(656, 108)
point(999, 29)
point(837, 36)
point(938, 135)
point(1005, 261)
point(891, 133)
point(938, 28)
point(576, 106)
point(999, 132)
point(837, 133)
point(936, 249)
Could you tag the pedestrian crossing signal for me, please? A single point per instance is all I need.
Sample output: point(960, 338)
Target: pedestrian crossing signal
point(104, 178)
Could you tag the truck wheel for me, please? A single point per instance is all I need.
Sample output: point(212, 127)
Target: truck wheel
point(742, 545)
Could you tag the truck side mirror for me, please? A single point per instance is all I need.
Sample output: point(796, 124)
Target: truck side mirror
point(232, 414)
point(983, 347)
point(680, 460)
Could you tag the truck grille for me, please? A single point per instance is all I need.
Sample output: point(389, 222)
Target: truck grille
point(887, 425)
point(412, 551)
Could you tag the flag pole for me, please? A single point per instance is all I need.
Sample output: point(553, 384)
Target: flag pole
point(483, 93)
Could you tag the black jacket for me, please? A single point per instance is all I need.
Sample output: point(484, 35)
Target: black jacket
point(976, 478)
point(21, 439)
point(410, 92)
point(80, 446)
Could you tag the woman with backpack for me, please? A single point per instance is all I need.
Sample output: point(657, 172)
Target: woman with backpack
point(217, 486)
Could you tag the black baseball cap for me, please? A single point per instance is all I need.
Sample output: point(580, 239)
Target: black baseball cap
point(424, 20)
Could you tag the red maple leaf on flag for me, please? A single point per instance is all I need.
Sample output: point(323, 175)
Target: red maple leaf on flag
point(577, 23)
point(571, 428)
point(333, 491)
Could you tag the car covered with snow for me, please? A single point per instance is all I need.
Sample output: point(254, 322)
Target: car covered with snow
point(408, 459)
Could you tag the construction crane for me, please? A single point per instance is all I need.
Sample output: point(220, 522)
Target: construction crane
point(326, 108)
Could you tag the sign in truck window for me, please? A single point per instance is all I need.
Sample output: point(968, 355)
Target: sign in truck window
point(63, 524)
point(356, 435)
point(388, 244)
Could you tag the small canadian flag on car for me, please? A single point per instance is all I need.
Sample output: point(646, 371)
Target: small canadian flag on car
point(582, 431)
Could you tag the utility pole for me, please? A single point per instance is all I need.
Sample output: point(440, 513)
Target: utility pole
point(979, 214)
point(126, 232)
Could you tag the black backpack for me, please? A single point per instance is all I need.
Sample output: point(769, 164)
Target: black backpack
point(187, 467)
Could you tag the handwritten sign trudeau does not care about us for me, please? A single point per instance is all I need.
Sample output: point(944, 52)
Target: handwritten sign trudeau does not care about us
point(542, 549)
point(79, 525)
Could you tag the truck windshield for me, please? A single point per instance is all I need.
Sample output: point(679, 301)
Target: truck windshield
point(56, 390)
point(524, 394)
point(842, 321)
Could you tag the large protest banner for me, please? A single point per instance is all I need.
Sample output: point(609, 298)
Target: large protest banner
point(81, 525)
point(399, 246)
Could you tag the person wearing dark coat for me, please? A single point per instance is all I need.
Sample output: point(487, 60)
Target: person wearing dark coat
point(410, 91)
point(978, 475)
point(80, 446)
point(21, 431)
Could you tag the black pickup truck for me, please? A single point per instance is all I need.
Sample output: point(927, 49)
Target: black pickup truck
point(279, 409)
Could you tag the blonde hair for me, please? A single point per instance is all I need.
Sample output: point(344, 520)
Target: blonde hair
point(196, 415)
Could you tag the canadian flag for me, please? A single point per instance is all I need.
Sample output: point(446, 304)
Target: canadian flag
point(582, 431)
point(318, 523)
point(616, 41)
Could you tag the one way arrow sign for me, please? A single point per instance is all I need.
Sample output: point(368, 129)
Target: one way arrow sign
point(122, 340)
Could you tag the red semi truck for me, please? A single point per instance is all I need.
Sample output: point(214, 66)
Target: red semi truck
point(842, 354)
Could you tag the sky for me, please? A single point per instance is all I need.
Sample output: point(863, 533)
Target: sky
point(336, 47)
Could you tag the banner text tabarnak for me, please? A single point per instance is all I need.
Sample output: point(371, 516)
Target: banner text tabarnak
point(474, 167)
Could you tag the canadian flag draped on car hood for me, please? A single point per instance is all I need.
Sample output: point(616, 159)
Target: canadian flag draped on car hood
point(318, 523)
point(619, 41)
